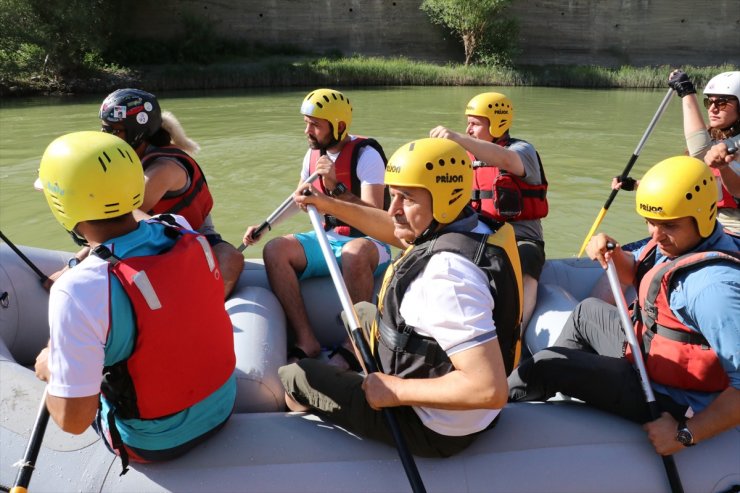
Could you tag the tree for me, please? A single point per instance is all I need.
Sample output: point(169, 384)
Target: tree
point(61, 33)
point(474, 21)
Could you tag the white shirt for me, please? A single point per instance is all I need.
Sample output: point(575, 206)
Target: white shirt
point(370, 167)
point(451, 302)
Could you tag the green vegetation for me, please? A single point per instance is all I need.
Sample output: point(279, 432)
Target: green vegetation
point(487, 35)
point(67, 46)
point(374, 71)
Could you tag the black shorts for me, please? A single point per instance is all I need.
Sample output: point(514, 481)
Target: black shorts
point(532, 257)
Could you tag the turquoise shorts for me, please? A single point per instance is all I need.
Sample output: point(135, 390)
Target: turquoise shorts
point(316, 265)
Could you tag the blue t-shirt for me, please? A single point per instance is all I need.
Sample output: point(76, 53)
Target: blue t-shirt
point(171, 431)
point(707, 300)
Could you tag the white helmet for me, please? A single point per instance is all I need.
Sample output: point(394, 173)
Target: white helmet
point(724, 84)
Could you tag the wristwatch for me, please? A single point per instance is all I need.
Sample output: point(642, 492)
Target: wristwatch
point(72, 262)
point(338, 190)
point(683, 434)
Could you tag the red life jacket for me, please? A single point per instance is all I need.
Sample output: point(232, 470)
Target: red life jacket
point(505, 196)
point(184, 348)
point(345, 168)
point(196, 202)
point(727, 201)
point(674, 354)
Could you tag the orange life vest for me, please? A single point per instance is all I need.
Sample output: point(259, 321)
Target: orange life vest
point(196, 202)
point(184, 348)
point(674, 354)
point(345, 168)
point(506, 197)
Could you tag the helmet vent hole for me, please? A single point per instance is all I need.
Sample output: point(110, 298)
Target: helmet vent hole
point(334, 95)
point(102, 164)
point(697, 188)
point(441, 162)
point(430, 166)
point(452, 160)
point(490, 105)
point(326, 98)
point(319, 105)
point(689, 196)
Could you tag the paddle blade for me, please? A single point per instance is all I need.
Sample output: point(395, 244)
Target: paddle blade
point(591, 232)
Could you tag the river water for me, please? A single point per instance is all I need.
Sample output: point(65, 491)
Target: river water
point(252, 145)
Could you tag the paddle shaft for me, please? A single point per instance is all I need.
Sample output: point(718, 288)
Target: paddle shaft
point(668, 462)
point(33, 267)
point(409, 465)
point(277, 213)
point(628, 168)
point(28, 464)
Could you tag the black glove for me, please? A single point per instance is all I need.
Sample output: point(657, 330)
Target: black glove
point(628, 184)
point(680, 82)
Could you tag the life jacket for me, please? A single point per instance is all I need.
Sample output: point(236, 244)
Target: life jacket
point(184, 346)
point(727, 201)
point(345, 168)
point(196, 202)
point(505, 196)
point(674, 354)
point(399, 349)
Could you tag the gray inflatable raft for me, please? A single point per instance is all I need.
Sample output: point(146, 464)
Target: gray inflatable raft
point(536, 447)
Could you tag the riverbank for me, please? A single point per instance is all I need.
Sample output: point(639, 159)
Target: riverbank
point(342, 72)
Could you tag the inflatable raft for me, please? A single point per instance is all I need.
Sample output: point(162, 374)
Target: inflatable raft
point(536, 447)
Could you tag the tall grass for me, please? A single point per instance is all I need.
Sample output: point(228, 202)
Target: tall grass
point(373, 71)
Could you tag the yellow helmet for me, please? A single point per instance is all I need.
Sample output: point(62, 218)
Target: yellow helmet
point(679, 187)
point(331, 105)
point(496, 107)
point(438, 165)
point(90, 175)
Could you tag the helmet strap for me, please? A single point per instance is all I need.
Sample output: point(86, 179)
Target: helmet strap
point(427, 233)
point(77, 238)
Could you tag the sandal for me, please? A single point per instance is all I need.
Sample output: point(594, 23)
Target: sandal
point(296, 353)
point(348, 356)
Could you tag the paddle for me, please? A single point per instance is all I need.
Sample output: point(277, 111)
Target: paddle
point(28, 463)
point(33, 267)
point(277, 213)
point(668, 462)
point(626, 171)
point(367, 358)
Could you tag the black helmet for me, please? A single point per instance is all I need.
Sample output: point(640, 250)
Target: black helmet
point(138, 110)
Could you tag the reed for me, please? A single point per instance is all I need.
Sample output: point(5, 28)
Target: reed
point(374, 71)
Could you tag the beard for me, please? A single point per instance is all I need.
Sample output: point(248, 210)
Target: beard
point(314, 143)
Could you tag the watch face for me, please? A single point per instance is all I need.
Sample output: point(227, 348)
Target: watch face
point(72, 262)
point(684, 436)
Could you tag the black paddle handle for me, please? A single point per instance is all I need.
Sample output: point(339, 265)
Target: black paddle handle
point(33, 267)
point(669, 462)
point(34, 447)
point(409, 465)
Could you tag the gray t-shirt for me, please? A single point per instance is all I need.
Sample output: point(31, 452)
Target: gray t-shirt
point(529, 229)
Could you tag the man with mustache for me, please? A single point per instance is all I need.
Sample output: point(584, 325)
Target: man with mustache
point(448, 311)
point(351, 169)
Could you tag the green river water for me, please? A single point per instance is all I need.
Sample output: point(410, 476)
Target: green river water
point(252, 146)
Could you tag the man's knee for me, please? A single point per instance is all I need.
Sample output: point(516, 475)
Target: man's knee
point(283, 250)
point(359, 255)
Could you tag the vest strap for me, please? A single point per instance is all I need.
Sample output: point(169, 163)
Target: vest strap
point(684, 337)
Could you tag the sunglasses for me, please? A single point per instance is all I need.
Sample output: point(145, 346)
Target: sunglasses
point(720, 103)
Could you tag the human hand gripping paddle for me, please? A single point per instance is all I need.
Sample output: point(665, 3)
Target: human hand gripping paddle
point(273, 218)
point(626, 171)
point(611, 272)
point(367, 359)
